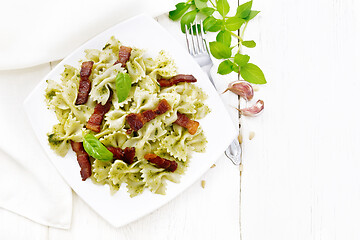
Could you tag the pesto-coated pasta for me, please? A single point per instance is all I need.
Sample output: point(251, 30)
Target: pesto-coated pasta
point(160, 135)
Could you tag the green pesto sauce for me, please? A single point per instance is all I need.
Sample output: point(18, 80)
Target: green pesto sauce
point(103, 90)
point(108, 44)
point(50, 95)
point(53, 141)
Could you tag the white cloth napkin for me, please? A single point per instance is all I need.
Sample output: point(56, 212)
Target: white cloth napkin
point(29, 183)
point(39, 31)
point(35, 32)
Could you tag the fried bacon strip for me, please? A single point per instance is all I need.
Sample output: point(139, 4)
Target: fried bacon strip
point(83, 159)
point(94, 122)
point(137, 120)
point(176, 79)
point(124, 55)
point(85, 84)
point(187, 123)
point(161, 162)
point(127, 155)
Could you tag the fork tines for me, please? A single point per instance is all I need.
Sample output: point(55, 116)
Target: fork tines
point(195, 38)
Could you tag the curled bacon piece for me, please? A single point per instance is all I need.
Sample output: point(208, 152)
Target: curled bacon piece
point(241, 88)
point(127, 155)
point(96, 118)
point(82, 158)
point(85, 84)
point(161, 162)
point(253, 110)
point(176, 79)
point(124, 55)
point(137, 120)
point(187, 123)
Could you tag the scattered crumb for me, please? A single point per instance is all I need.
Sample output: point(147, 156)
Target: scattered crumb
point(256, 88)
point(251, 135)
point(213, 166)
point(203, 183)
point(240, 138)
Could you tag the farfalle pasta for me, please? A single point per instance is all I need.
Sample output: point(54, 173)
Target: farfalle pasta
point(159, 135)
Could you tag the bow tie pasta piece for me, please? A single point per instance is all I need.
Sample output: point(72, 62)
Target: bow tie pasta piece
point(61, 98)
point(143, 100)
point(70, 74)
point(115, 139)
point(105, 58)
point(116, 119)
point(53, 88)
point(141, 145)
point(135, 184)
point(149, 84)
point(59, 138)
point(103, 83)
point(163, 66)
point(120, 173)
point(153, 130)
point(136, 66)
point(155, 178)
point(180, 143)
point(100, 171)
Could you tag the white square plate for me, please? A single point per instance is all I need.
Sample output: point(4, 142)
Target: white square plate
point(119, 209)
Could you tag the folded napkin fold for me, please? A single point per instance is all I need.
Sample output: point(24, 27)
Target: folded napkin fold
point(29, 183)
point(35, 32)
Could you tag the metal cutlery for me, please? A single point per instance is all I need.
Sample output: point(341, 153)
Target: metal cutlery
point(197, 48)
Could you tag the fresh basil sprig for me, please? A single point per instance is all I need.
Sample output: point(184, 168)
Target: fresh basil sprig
point(123, 85)
point(214, 14)
point(96, 149)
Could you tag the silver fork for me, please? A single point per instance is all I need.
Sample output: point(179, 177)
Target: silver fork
point(197, 48)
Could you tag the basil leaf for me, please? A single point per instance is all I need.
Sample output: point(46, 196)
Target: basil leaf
point(252, 74)
point(212, 24)
point(207, 11)
point(252, 15)
point(209, 22)
point(188, 18)
point(226, 67)
point(249, 44)
point(234, 23)
point(123, 85)
point(96, 149)
point(219, 50)
point(241, 59)
point(243, 10)
point(200, 4)
point(181, 8)
point(222, 7)
point(224, 37)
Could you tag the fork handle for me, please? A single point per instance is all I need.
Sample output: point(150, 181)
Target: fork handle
point(208, 70)
point(233, 152)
